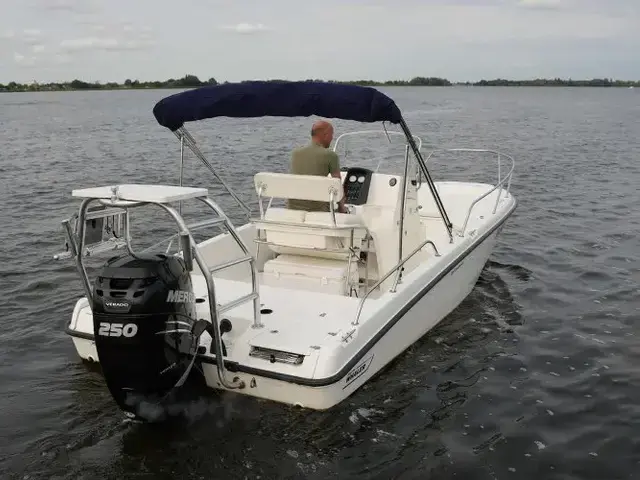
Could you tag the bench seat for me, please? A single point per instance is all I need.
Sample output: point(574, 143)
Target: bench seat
point(311, 233)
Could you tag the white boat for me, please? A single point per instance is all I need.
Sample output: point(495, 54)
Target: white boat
point(304, 307)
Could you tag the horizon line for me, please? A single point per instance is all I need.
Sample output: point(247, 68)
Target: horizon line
point(192, 81)
point(390, 80)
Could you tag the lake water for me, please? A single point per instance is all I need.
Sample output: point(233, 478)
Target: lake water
point(534, 376)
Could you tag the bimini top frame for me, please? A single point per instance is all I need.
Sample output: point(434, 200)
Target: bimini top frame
point(284, 99)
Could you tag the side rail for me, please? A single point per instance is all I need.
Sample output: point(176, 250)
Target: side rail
point(506, 165)
point(397, 270)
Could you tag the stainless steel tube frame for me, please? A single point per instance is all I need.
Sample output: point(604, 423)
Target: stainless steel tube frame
point(212, 300)
point(257, 323)
point(389, 273)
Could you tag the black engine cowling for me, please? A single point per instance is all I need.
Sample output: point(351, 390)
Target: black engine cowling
point(143, 319)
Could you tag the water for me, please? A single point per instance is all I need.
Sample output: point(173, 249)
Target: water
point(533, 376)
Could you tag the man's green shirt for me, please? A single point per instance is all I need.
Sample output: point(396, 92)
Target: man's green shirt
point(312, 159)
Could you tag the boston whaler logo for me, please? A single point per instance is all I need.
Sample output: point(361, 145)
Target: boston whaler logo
point(181, 296)
point(357, 371)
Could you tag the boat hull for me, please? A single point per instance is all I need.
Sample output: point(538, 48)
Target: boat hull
point(414, 320)
point(418, 312)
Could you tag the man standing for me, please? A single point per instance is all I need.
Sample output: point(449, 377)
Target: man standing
point(316, 159)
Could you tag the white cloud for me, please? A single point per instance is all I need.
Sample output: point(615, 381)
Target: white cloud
point(88, 43)
point(31, 36)
point(73, 6)
point(245, 28)
point(8, 35)
point(104, 43)
point(24, 61)
point(541, 4)
point(38, 48)
point(58, 5)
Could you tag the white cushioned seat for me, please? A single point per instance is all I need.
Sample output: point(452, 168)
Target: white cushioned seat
point(285, 235)
point(325, 219)
point(298, 232)
point(276, 214)
point(342, 239)
point(296, 236)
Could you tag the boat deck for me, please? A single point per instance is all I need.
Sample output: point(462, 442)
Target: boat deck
point(293, 321)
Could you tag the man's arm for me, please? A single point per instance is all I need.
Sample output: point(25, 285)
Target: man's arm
point(334, 170)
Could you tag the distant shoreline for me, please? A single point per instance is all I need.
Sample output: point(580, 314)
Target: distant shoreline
point(191, 81)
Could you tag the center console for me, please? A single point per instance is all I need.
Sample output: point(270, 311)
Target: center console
point(357, 181)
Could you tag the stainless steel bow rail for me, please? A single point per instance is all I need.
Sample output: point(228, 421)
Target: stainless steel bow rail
point(85, 233)
point(501, 180)
point(415, 143)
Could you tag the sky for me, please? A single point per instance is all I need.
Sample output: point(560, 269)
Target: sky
point(462, 40)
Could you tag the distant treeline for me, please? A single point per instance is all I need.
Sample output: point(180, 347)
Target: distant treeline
point(190, 81)
point(555, 82)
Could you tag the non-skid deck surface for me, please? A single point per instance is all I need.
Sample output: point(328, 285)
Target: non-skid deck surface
point(301, 318)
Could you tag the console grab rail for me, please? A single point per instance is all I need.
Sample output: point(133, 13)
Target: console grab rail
point(389, 273)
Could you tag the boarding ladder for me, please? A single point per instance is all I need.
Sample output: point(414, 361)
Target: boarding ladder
point(118, 210)
point(245, 258)
point(216, 309)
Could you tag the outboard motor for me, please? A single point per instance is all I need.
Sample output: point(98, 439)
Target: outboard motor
point(144, 318)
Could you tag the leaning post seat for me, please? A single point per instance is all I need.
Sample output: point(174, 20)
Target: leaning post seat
point(316, 234)
point(314, 245)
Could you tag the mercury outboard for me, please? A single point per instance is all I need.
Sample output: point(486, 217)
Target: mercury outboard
point(146, 331)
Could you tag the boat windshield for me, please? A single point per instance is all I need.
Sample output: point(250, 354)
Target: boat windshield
point(376, 151)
